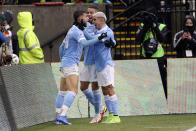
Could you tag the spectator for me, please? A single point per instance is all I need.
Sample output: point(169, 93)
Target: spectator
point(151, 35)
point(2, 39)
point(7, 31)
point(29, 46)
point(185, 40)
point(13, 48)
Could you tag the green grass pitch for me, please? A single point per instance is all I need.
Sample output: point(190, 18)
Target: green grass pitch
point(130, 123)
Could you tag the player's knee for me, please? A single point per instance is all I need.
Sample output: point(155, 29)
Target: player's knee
point(84, 86)
point(110, 90)
point(105, 91)
point(75, 91)
point(95, 86)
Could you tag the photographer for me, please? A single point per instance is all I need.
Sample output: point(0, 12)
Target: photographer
point(151, 35)
point(185, 40)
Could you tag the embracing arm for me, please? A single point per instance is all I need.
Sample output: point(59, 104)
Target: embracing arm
point(88, 36)
point(86, 43)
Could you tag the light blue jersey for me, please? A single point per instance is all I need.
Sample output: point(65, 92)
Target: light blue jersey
point(102, 53)
point(70, 50)
point(89, 56)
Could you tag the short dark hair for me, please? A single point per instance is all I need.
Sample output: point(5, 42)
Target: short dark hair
point(93, 7)
point(77, 14)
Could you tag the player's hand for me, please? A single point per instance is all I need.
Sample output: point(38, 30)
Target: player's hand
point(109, 43)
point(189, 37)
point(184, 36)
point(103, 35)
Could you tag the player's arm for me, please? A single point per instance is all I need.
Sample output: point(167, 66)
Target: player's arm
point(85, 42)
point(61, 48)
point(82, 40)
point(88, 36)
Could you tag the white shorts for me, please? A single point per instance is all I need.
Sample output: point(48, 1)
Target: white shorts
point(106, 76)
point(88, 73)
point(66, 71)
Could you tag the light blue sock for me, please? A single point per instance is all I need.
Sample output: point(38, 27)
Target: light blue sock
point(114, 103)
point(60, 99)
point(68, 100)
point(108, 103)
point(89, 95)
point(97, 98)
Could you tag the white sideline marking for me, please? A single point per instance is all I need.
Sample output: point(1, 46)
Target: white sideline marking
point(169, 127)
point(192, 129)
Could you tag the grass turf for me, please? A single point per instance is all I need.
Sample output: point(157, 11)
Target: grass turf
point(130, 123)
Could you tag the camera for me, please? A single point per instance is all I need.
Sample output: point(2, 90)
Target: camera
point(150, 46)
point(186, 29)
point(189, 29)
point(148, 18)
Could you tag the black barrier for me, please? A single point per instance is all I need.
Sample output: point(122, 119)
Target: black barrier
point(6, 120)
point(4, 124)
point(28, 93)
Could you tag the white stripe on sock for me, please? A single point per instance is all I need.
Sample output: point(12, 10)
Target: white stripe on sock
point(107, 97)
point(86, 91)
point(113, 98)
point(96, 91)
point(64, 110)
point(58, 110)
point(62, 93)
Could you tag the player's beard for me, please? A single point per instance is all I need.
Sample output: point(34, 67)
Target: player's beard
point(90, 20)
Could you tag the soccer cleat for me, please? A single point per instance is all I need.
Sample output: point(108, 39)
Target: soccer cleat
point(96, 2)
point(96, 119)
point(57, 122)
point(108, 119)
point(108, 2)
point(103, 111)
point(63, 120)
point(115, 119)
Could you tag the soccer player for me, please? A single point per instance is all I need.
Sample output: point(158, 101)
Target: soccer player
point(105, 66)
point(70, 53)
point(88, 73)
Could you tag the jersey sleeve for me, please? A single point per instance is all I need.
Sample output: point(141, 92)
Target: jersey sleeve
point(79, 36)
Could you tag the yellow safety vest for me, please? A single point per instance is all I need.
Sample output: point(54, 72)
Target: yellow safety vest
point(160, 51)
point(29, 46)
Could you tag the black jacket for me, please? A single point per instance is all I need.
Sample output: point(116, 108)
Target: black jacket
point(182, 45)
